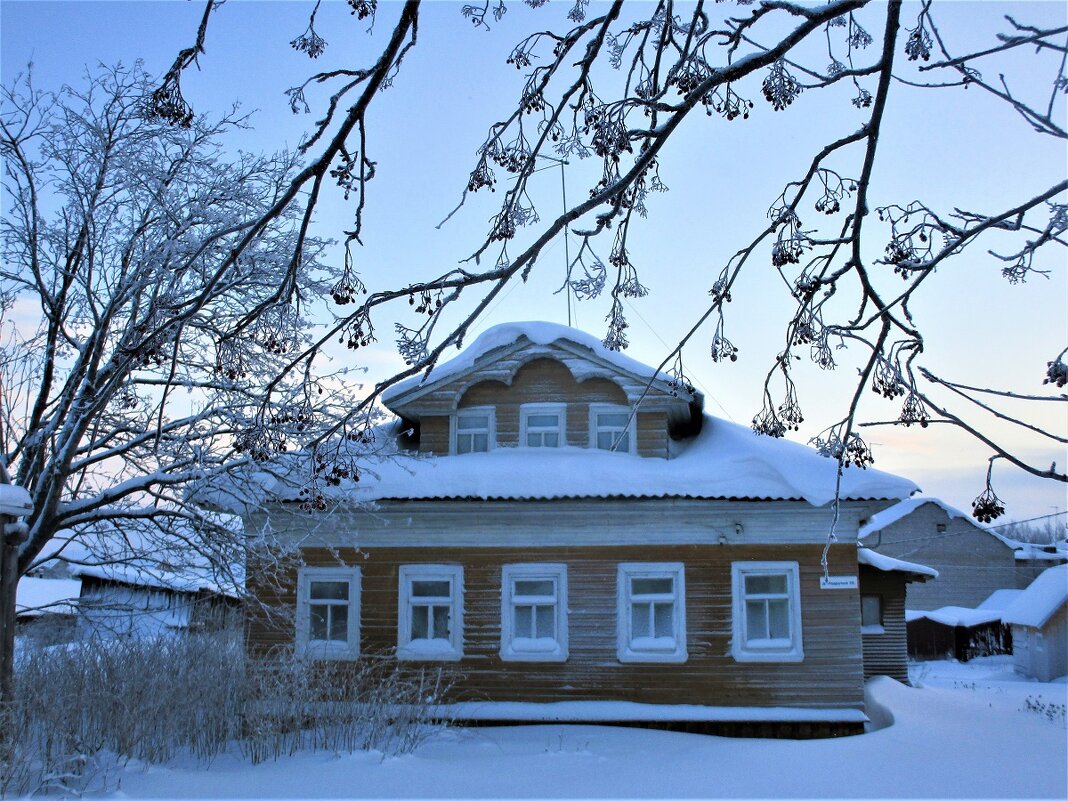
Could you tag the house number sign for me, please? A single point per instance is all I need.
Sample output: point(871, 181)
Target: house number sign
point(838, 582)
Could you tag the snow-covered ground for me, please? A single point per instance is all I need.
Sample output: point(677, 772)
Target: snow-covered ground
point(966, 731)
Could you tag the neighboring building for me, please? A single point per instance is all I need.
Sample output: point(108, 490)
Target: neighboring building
point(45, 609)
point(971, 561)
point(122, 600)
point(883, 581)
point(1033, 559)
point(1039, 620)
point(677, 578)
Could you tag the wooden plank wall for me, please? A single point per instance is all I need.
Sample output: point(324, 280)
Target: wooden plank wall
point(886, 654)
point(831, 675)
point(546, 381)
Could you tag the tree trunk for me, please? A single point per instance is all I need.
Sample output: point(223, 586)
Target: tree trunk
point(9, 579)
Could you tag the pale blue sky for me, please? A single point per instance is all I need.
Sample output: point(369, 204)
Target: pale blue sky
point(946, 147)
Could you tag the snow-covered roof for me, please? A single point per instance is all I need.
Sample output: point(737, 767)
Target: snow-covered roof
point(1033, 552)
point(159, 577)
point(887, 517)
point(725, 461)
point(1041, 600)
point(540, 333)
point(956, 616)
point(888, 564)
point(42, 596)
point(1000, 599)
point(14, 500)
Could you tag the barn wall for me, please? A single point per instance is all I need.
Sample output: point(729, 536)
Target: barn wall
point(971, 563)
point(886, 654)
point(830, 676)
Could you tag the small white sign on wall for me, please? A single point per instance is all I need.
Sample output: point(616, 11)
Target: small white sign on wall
point(838, 582)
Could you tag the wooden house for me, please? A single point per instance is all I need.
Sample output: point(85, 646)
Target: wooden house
point(568, 531)
point(972, 561)
point(1039, 620)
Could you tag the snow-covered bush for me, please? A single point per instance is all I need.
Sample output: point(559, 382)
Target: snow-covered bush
point(84, 709)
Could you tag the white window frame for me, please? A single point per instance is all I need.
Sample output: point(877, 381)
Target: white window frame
point(527, 409)
point(328, 649)
point(613, 408)
point(514, 649)
point(447, 651)
point(786, 649)
point(454, 426)
point(872, 628)
point(627, 649)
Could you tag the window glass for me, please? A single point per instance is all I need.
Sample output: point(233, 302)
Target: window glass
point(542, 428)
point(534, 612)
point(328, 612)
point(651, 616)
point(871, 610)
point(473, 429)
point(767, 612)
point(610, 429)
point(431, 623)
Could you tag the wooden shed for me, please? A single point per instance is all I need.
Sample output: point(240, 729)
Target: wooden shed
point(1039, 620)
point(883, 586)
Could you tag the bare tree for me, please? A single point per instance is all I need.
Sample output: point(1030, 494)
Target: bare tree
point(615, 86)
point(614, 83)
point(132, 250)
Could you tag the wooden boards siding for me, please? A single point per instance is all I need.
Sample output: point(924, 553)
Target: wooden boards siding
point(545, 381)
point(886, 654)
point(830, 676)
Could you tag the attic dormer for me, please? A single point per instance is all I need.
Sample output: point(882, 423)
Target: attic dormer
point(525, 389)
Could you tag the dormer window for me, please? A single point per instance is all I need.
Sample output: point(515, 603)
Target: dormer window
point(541, 425)
point(611, 428)
point(473, 430)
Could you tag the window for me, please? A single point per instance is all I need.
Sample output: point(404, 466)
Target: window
point(541, 425)
point(328, 612)
point(534, 613)
point(473, 430)
point(871, 614)
point(651, 613)
point(767, 612)
point(430, 624)
point(611, 426)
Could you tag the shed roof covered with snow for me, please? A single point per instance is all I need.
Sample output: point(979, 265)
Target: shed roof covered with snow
point(1040, 601)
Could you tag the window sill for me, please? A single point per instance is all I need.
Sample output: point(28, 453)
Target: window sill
point(429, 651)
point(630, 655)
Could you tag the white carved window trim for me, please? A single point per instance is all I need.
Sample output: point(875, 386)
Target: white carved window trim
point(650, 649)
point(516, 649)
point(448, 649)
point(328, 649)
point(613, 408)
point(766, 649)
point(528, 409)
point(490, 431)
point(867, 602)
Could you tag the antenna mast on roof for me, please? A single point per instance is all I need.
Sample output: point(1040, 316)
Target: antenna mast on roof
point(567, 253)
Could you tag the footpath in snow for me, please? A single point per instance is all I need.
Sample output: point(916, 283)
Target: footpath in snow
point(965, 731)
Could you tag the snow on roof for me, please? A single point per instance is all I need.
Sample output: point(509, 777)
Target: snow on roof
point(725, 460)
point(1000, 599)
point(1040, 601)
point(1033, 552)
point(888, 564)
point(41, 596)
point(956, 616)
point(159, 577)
point(889, 516)
point(540, 333)
point(14, 500)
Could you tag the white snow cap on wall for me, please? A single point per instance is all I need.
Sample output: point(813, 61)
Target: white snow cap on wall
point(1040, 601)
point(888, 564)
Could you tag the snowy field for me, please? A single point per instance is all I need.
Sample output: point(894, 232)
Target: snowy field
point(966, 731)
